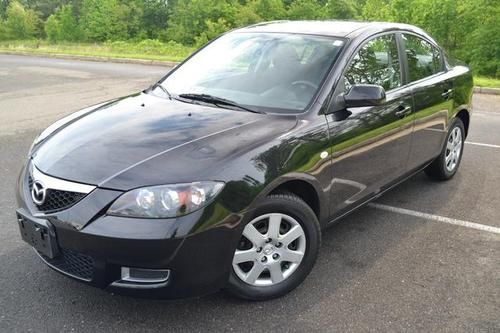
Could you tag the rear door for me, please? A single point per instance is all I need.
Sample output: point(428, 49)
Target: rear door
point(432, 93)
point(371, 146)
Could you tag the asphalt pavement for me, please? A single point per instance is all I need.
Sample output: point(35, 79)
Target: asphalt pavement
point(378, 270)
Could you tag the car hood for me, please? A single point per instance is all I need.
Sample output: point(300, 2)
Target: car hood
point(145, 140)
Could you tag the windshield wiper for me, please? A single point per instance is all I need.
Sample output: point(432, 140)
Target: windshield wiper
point(218, 101)
point(162, 88)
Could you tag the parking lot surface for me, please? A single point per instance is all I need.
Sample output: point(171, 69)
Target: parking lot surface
point(399, 265)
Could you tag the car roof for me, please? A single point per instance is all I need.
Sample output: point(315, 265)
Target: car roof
point(337, 28)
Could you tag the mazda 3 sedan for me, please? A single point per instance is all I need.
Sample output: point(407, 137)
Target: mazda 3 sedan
point(223, 174)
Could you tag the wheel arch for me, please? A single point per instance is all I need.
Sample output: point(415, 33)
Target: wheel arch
point(305, 187)
point(464, 116)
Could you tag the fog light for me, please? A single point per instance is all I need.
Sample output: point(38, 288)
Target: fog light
point(143, 275)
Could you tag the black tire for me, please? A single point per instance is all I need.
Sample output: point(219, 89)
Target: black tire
point(296, 208)
point(438, 170)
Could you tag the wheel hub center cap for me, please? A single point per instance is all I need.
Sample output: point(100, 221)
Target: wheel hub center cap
point(268, 249)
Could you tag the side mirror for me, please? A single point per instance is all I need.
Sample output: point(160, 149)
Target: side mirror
point(364, 95)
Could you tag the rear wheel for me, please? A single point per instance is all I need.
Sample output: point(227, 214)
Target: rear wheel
point(446, 164)
point(277, 249)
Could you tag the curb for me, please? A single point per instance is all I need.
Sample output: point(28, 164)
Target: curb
point(487, 91)
point(95, 58)
point(477, 90)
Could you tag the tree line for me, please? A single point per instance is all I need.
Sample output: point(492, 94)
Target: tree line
point(468, 29)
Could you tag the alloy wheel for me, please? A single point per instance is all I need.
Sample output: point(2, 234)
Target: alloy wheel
point(453, 149)
point(270, 250)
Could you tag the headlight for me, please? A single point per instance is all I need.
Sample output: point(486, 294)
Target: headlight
point(165, 200)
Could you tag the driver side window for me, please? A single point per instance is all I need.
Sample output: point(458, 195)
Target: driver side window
point(377, 62)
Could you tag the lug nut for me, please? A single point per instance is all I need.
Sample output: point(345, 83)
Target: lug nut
point(268, 240)
point(264, 259)
point(279, 244)
point(276, 256)
point(259, 249)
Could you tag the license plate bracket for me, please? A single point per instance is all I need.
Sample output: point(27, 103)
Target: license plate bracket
point(38, 233)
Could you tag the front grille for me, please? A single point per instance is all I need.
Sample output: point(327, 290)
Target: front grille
point(56, 200)
point(73, 263)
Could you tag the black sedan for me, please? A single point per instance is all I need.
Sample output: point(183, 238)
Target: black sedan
point(224, 173)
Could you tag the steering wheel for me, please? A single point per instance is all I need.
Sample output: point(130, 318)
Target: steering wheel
point(304, 83)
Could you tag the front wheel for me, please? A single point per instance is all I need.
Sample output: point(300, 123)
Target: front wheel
point(446, 164)
point(277, 249)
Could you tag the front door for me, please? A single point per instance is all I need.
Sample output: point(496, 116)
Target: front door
point(370, 148)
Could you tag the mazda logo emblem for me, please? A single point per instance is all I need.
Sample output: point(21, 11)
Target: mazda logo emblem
point(38, 192)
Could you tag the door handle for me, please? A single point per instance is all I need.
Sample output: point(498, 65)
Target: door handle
point(447, 94)
point(403, 111)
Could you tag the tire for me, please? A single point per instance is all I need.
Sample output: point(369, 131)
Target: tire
point(296, 221)
point(446, 164)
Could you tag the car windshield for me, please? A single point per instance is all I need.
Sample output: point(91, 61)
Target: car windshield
point(269, 72)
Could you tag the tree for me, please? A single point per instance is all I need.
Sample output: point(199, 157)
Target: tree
point(467, 29)
point(63, 25)
point(53, 28)
point(305, 10)
point(130, 13)
point(214, 29)
point(189, 18)
point(377, 10)
point(269, 10)
point(20, 23)
point(45, 8)
point(245, 15)
point(405, 11)
point(100, 20)
point(481, 47)
point(3, 8)
point(341, 9)
point(155, 17)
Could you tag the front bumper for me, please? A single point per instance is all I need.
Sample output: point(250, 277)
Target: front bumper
point(196, 249)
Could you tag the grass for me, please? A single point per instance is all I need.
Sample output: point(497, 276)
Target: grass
point(489, 82)
point(145, 50)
